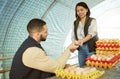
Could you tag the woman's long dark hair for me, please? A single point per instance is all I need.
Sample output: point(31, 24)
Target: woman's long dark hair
point(76, 23)
point(83, 4)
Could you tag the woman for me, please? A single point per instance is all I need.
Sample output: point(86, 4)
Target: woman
point(85, 32)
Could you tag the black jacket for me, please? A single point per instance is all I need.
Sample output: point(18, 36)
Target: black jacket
point(19, 70)
point(92, 42)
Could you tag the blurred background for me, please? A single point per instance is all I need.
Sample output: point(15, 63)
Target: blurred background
point(59, 16)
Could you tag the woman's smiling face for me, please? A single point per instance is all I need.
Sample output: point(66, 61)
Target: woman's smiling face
point(81, 11)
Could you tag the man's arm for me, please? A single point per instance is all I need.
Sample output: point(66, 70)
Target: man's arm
point(36, 58)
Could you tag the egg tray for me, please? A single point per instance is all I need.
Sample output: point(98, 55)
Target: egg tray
point(101, 65)
point(107, 53)
point(66, 75)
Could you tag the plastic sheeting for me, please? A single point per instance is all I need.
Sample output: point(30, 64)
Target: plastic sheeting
point(15, 14)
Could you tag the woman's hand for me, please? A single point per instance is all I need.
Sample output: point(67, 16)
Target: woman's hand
point(80, 42)
point(73, 46)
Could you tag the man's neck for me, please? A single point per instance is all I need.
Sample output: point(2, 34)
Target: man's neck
point(36, 39)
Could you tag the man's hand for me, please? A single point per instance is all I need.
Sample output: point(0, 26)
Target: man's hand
point(73, 46)
point(67, 65)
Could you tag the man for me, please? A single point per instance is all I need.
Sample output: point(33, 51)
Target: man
point(31, 61)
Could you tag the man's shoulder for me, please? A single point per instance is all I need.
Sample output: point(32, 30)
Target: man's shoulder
point(34, 49)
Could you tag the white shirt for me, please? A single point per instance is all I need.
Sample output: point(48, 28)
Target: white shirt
point(92, 30)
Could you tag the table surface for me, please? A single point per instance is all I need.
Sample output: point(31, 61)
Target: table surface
point(113, 73)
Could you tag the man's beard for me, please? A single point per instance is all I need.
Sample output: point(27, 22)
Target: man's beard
point(42, 39)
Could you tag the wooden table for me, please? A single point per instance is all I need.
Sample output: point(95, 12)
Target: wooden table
point(7, 69)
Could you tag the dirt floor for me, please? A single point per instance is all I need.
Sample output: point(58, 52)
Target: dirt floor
point(113, 73)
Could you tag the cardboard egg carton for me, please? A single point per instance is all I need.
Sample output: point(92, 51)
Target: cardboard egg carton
point(79, 73)
point(102, 61)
